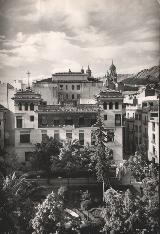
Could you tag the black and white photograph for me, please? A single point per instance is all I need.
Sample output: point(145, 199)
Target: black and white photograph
point(79, 116)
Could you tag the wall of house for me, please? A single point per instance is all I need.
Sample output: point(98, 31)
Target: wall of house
point(48, 91)
point(151, 143)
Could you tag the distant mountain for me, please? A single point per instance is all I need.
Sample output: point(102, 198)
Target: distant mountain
point(144, 77)
point(121, 77)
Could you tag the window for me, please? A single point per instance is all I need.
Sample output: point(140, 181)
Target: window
point(110, 105)
point(26, 106)
point(61, 87)
point(32, 107)
point(72, 87)
point(20, 106)
point(81, 137)
point(105, 117)
point(116, 105)
point(93, 138)
point(105, 106)
point(154, 114)
point(69, 135)
point(118, 120)
point(24, 137)
point(28, 156)
point(44, 135)
point(0, 122)
point(66, 87)
point(78, 96)
point(136, 117)
point(56, 134)
point(78, 87)
point(153, 138)
point(67, 96)
point(154, 150)
point(72, 96)
point(69, 122)
point(140, 129)
point(133, 115)
point(19, 121)
point(81, 121)
point(110, 135)
point(140, 117)
point(32, 118)
point(153, 126)
point(56, 122)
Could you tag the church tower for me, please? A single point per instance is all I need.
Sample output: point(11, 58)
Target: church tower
point(113, 73)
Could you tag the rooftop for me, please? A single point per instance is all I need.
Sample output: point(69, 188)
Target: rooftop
point(109, 93)
point(57, 108)
point(26, 94)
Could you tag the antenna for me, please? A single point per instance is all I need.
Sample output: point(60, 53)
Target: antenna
point(28, 74)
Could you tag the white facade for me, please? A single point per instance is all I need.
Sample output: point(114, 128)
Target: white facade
point(153, 136)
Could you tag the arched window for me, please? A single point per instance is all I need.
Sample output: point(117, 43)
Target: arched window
point(110, 105)
point(26, 106)
point(32, 107)
point(20, 106)
point(105, 106)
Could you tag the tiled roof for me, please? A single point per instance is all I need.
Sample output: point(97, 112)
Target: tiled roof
point(109, 93)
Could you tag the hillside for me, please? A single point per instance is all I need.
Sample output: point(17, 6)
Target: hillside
point(144, 77)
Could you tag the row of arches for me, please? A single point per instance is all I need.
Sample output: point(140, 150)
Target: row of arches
point(26, 106)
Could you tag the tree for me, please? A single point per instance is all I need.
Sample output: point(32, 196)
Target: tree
point(102, 152)
point(15, 197)
point(131, 213)
point(52, 217)
point(44, 152)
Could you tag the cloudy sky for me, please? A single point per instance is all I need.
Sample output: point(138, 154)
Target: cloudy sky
point(47, 36)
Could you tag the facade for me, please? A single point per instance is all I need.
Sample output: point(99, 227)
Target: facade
point(112, 113)
point(153, 134)
point(64, 107)
point(138, 106)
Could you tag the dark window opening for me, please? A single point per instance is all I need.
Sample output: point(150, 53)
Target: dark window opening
point(69, 135)
point(154, 114)
point(26, 106)
point(61, 87)
point(32, 118)
point(24, 137)
point(56, 135)
point(116, 105)
point(105, 106)
point(81, 138)
point(93, 138)
point(72, 96)
point(110, 105)
point(105, 117)
point(20, 106)
point(66, 87)
point(93, 121)
point(78, 87)
point(72, 87)
point(118, 120)
point(28, 156)
point(32, 107)
point(19, 121)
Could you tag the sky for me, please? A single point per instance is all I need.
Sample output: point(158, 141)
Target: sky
point(48, 36)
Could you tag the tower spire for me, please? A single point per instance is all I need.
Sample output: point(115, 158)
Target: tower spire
point(28, 74)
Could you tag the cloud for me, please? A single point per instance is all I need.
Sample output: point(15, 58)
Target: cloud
point(45, 36)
